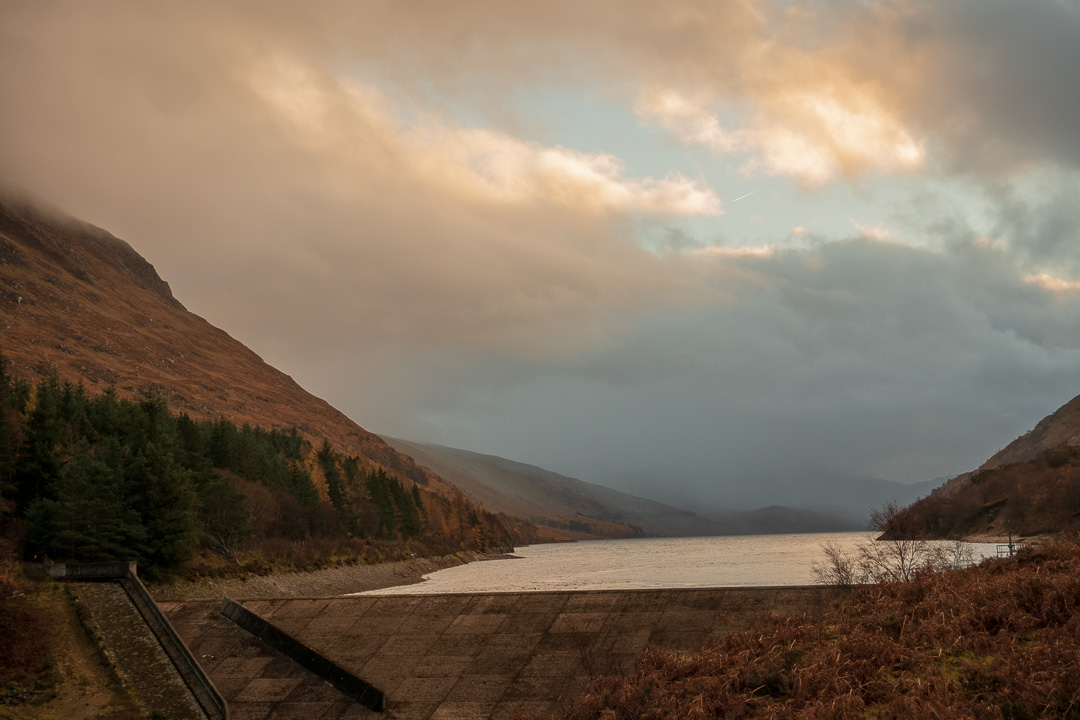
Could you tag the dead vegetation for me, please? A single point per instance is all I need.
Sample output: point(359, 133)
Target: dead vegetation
point(995, 641)
point(899, 554)
point(49, 666)
point(1033, 497)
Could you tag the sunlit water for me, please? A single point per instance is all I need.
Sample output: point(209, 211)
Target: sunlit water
point(647, 563)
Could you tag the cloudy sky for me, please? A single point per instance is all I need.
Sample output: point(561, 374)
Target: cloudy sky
point(693, 249)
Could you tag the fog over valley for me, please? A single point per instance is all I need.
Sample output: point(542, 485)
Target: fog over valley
point(719, 255)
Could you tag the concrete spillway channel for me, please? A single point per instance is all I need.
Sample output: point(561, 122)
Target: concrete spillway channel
point(134, 651)
point(151, 659)
point(251, 679)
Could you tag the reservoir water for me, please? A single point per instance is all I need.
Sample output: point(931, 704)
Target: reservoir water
point(731, 561)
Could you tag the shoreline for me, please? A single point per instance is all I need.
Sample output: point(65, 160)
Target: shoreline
point(355, 579)
point(991, 538)
point(345, 580)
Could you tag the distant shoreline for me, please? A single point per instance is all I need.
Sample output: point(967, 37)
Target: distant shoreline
point(987, 538)
point(344, 580)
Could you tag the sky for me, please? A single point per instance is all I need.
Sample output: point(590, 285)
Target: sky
point(696, 250)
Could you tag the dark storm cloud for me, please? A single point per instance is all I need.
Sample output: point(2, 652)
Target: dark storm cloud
point(297, 177)
point(860, 359)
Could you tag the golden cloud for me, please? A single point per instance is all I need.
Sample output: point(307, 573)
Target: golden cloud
point(344, 116)
point(813, 136)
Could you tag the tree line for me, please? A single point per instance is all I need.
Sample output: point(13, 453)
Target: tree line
point(99, 477)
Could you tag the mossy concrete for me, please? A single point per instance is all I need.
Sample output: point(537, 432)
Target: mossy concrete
point(135, 651)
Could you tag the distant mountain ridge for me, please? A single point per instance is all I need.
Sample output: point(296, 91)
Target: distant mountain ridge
point(846, 500)
point(538, 495)
point(541, 496)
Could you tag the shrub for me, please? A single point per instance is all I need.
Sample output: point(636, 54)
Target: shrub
point(990, 641)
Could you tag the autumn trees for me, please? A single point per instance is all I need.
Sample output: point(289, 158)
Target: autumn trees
point(93, 478)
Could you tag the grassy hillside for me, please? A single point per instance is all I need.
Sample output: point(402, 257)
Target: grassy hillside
point(96, 477)
point(82, 306)
point(995, 641)
point(1030, 487)
point(1060, 428)
point(1033, 497)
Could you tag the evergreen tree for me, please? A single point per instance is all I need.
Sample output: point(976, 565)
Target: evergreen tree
point(41, 456)
point(335, 487)
point(223, 444)
point(161, 492)
point(300, 485)
point(108, 415)
point(418, 499)
point(91, 518)
point(408, 517)
point(378, 487)
point(193, 444)
point(12, 402)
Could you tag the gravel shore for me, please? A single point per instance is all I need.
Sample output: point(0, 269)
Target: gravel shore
point(318, 583)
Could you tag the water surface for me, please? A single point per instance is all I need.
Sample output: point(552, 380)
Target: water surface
point(731, 561)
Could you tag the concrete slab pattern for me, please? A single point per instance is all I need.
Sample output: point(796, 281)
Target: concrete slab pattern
point(494, 655)
point(258, 683)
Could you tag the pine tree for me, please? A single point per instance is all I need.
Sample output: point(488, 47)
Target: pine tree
point(335, 487)
point(160, 490)
point(41, 456)
point(91, 518)
point(378, 487)
point(418, 500)
point(408, 517)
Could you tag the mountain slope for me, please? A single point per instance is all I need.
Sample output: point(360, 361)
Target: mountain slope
point(1059, 428)
point(1040, 496)
point(542, 496)
point(1031, 486)
point(77, 302)
point(547, 498)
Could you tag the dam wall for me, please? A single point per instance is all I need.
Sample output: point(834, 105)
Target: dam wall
point(488, 655)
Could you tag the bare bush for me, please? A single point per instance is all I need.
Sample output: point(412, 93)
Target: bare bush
point(839, 568)
point(946, 554)
point(998, 641)
point(898, 554)
point(900, 551)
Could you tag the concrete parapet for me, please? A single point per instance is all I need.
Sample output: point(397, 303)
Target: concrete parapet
point(364, 693)
point(90, 571)
point(495, 655)
point(195, 678)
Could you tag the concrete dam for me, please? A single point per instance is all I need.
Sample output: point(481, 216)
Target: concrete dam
point(490, 655)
